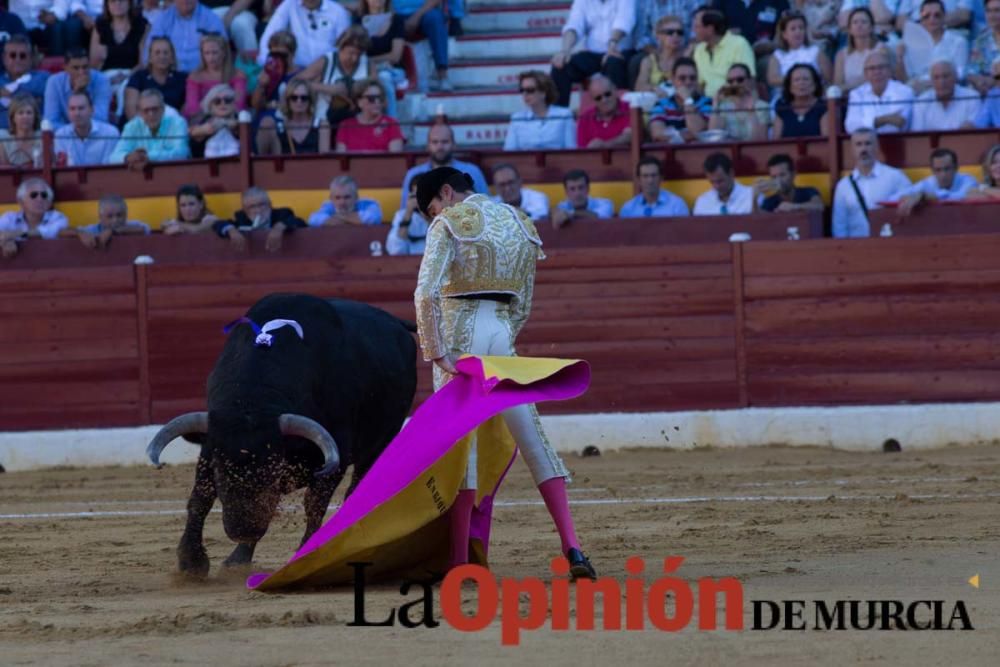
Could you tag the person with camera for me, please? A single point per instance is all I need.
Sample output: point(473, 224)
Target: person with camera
point(279, 69)
point(737, 109)
point(684, 112)
point(409, 228)
point(777, 192)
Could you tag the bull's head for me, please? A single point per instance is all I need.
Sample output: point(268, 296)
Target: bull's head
point(248, 473)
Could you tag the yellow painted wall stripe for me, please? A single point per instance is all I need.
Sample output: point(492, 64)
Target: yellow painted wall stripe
point(155, 210)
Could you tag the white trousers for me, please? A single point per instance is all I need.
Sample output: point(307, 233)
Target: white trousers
point(486, 328)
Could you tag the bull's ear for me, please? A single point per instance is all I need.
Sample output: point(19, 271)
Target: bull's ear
point(196, 438)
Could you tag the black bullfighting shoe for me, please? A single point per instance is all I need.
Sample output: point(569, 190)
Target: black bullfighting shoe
point(579, 566)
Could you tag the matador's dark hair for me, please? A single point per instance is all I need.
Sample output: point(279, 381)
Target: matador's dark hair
point(429, 185)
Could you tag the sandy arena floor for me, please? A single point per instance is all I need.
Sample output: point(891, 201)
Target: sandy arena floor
point(87, 556)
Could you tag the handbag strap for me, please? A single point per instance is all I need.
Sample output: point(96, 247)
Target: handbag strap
point(861, 199)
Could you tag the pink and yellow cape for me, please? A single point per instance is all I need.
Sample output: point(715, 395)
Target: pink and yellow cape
point(396, 517)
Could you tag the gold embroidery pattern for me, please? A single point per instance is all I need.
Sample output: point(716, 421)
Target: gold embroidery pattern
point(474, 247)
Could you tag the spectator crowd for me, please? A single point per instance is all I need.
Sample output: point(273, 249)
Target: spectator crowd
point(142, 82)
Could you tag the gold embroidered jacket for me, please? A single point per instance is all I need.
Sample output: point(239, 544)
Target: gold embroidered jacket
point(477, 246)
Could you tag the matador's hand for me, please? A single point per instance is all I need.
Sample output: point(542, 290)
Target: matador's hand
point(447, 363)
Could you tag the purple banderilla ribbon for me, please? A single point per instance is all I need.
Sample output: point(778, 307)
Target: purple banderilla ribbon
point(264, 338)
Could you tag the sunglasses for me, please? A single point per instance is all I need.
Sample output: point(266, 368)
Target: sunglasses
point(689, 77)
point(151, 110)
point(603, 96)
point(671, 32)
point(736, 80)
point(373, 98)
point(17, 55)
point(298, 98)
point(227, 99)
point(529, 91)
point(39, 193)
point(932, 15)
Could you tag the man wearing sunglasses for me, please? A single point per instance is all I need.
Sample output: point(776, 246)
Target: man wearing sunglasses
point(34, 219)
point(18, 77)
point(606, 124)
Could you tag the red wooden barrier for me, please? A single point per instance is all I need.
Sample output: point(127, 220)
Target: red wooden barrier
point(665, 325)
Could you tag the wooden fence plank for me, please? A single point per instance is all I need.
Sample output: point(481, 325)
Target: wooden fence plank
point(938, 253)
point(878, 315)
point(875, 387)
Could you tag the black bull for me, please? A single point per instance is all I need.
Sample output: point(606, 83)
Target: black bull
point(292, 415)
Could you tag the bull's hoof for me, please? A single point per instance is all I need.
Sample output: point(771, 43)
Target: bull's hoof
point(242, 555)
point(193, 562)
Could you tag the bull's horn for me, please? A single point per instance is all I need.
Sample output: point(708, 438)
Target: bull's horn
point(313, 431)
point(192, 422)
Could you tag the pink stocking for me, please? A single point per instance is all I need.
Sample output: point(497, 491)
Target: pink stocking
point(554, 494)
point(461, 516)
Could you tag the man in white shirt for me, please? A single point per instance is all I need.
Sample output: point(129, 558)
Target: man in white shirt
point(727, 197)
point(946, 106)
point(881, 103)
point(944, 184)
point(316, 25)
point(605, 26)
point(507, 182)
point(873, 182)
point(85, 140)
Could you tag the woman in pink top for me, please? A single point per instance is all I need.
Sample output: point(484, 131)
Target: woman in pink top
point(216, 67)
point(370, 130)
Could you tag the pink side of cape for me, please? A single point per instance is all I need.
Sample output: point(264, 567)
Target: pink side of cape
point(441, 421)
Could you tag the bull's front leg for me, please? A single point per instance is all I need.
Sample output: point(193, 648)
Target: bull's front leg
point(317, 501)
point(192, 558)
point(242, 555)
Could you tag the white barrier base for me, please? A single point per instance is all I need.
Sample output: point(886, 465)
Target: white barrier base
point(852, 428)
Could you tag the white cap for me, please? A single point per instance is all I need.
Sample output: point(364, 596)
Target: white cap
point(244, 116)
point(739, 237)
point(143, 259)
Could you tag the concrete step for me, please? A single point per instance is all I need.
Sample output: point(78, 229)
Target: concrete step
point(478, 73)
point(505, 46)
point(480, 133)
point(471, 103)
point(514, 17)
